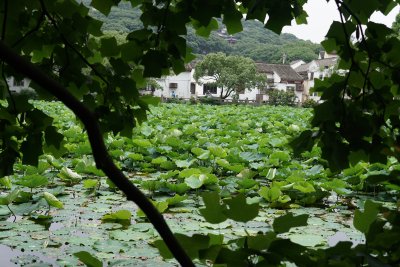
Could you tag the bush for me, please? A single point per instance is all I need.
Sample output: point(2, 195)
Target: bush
point(210, 100)
point(309, 103)
point(29, 93)
point(282, 98)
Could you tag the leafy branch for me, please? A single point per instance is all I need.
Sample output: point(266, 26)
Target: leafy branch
point(68, 44)
point(101, 156)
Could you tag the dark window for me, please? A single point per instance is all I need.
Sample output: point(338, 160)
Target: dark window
point(192, 88)
point(312, 76)
point(173, 85)
point(321, 76)
point(299, 87)
point(18, 83)
point(209, 89)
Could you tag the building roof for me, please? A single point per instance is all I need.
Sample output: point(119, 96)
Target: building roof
point(285, 72)
point(295, 61)
point(321, 63)
point(303, 68)
point(191, 65)
point(326, 62)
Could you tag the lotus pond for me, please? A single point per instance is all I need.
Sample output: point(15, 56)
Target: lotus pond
point(184, 157)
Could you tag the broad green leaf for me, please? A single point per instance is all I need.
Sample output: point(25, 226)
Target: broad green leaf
point(6, 182)
point(90, 183)
point(176, 199)
point(52, 200)
point(261, 241)
point(237, 205)
point(304, 187)
point(246, 174)
point(10, 197)
point(213, 211)
point(194, 181)
point(270, 194)
point(284, 223)
point(32, 181)
point(88, 259)
point(142, 143)
point(160, 206)
point(184, 163)
point(120, 216)
point(218, 151)
point(67, 174)
point(363, 220)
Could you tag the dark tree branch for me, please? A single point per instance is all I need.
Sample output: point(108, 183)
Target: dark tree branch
point(100, 154)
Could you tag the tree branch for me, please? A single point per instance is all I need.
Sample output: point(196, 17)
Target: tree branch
point(100, 154)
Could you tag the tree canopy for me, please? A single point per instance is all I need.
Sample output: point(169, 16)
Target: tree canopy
point(232, 74)
point(62, 49)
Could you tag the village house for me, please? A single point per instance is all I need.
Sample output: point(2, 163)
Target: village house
point(16, 86)
point(282, 77)
point(319, 68)
point(183, 85)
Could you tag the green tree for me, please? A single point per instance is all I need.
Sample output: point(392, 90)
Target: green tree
point(396, 25)
point(232, 74)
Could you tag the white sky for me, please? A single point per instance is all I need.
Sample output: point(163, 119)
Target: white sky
point(320, 16)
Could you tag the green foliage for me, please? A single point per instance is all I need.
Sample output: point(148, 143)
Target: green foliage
point(87, 258)
point(282, 98)
point(52, 200)
point(232, 74)
point(357, 122)
point(121, 216)
point(309, 103)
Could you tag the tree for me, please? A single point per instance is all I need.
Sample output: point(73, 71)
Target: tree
point(61, 48)
point(233, 74)
point(396, 25)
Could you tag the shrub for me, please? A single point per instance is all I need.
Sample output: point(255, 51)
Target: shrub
point(282, 98)
point(309, 103)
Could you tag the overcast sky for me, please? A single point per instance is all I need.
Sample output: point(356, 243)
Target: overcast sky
point(320, 16)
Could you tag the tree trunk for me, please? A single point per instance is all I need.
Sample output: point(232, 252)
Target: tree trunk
point(100, 154)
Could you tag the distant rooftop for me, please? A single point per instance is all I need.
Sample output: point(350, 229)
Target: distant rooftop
point(285, 72)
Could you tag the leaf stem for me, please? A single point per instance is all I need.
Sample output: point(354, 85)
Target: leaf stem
point(13, 214)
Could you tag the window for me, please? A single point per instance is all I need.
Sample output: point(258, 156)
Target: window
point(209, 89)
point(173, 85)
point(312, 76)
point(18, 83)
point(299, 87)
point(321, 76)
point(192, 88)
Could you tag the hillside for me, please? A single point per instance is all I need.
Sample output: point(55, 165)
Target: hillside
point(254, 41)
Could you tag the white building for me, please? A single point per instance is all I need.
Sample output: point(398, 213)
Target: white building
point(183, 85)
point(320, 68)
point(17, 86)
point(282, 77)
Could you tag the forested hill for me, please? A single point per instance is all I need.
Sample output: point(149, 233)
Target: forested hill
point(254, 41)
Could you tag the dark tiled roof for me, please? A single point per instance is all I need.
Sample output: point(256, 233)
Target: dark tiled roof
point(285, 72)
point(191, 65)
point(321, 63)
point(329, 62)
point(303, 68)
